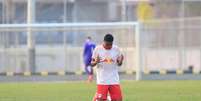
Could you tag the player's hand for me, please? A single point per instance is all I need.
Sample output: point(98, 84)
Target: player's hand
point(120, 60)
point(95, 61)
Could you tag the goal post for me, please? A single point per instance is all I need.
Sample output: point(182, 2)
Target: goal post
point(58, 46)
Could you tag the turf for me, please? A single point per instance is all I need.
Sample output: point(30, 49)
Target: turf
point(81, 91)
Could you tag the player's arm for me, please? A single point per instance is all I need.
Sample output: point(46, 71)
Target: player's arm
point(95, 61)
point(95, 58)
point(120, 60)
point(85, 50)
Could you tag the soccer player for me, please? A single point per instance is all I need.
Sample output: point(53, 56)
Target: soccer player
point(87, 55)
point(107, 57)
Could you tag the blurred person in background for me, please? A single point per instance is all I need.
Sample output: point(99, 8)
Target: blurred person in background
point(87, 57)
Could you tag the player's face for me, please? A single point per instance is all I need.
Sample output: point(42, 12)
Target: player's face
point(107, 45)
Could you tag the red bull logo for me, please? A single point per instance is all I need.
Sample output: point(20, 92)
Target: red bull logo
point(108, 60)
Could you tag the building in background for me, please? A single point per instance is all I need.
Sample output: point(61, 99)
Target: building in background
point(51, 11)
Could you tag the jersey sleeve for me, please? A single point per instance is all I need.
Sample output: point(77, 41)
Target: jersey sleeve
point(95, 53)
point(119, 52)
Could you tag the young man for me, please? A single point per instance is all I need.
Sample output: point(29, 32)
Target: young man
point(87, 55)
point(107, 57)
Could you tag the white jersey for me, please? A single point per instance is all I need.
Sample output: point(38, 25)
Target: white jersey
point(107, 69)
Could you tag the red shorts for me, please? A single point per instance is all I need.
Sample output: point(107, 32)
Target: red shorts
point(113, 90)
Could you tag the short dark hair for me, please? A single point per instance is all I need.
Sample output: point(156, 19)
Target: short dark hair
point(108, 38)
point(88, 37)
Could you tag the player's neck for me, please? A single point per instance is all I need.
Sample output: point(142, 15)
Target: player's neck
point(106, 48)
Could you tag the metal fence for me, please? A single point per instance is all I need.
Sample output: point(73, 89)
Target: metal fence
point(171, 44)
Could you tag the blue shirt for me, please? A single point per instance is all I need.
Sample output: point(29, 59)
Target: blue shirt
point(88, 51)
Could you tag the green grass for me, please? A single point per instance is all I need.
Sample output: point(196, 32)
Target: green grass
point(81, 91)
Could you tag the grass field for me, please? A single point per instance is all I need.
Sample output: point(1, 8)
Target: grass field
point(80, 91)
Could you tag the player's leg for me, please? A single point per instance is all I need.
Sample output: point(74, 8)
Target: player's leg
point(101, 93)
point(89, 72)
point(115, 92)
point(88, 69)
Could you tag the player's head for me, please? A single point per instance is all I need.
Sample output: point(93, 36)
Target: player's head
point(88, 38)
point(108, 41)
